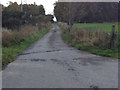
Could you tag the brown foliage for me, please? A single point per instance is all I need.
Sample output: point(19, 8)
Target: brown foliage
point(15, 37)
point(93, 38)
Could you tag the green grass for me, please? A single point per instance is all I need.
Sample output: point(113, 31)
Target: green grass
point(104, 27)
point(9, 54)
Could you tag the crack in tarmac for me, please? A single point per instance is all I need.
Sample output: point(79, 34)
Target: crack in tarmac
point(43, 51)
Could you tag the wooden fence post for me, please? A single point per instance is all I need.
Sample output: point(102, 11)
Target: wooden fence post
point(113, 38)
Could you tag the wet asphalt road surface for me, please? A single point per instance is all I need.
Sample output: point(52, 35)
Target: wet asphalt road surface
point(50, 63)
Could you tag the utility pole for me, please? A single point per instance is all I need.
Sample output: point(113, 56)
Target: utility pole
point(25, 1)
point(21, 6)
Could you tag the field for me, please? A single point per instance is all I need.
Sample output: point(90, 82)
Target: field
point(92, 37)
point(103, 27)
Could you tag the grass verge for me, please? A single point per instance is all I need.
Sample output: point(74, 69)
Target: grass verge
point(9, 54)
point(89, 48)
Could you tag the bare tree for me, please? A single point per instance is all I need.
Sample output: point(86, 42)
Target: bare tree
point(72, 8)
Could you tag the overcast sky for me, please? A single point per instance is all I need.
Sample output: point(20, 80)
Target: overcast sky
point(48, 4)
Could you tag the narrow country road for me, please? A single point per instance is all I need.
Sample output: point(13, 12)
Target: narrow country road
point(50, 63)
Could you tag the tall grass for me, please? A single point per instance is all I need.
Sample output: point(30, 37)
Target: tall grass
point(90, 38)
point(15, 37)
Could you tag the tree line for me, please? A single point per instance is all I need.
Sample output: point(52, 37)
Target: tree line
point(13, 16)
point(86, 12)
